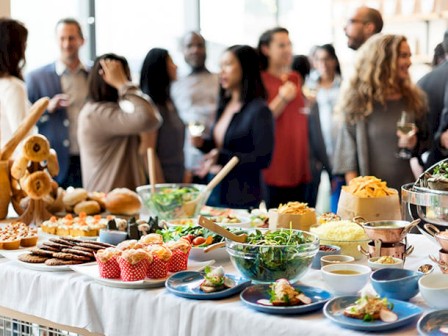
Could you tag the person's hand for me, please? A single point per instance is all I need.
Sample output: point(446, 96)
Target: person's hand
point(444, 139)
point(407, 140)
point(288, 91)
point(58, 101)
point(113, 73)
point(197, 141)
point(208, 164)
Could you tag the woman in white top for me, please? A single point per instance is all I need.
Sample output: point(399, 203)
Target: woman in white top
point(14, 102)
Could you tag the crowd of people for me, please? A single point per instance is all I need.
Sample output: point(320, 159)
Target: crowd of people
point(287, 118)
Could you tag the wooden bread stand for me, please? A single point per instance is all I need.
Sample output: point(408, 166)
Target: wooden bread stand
point(36, 209)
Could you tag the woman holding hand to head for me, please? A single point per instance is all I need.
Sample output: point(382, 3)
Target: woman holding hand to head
point(289, 172)
point(109, 126)
point(243, 128)
point(373, 103)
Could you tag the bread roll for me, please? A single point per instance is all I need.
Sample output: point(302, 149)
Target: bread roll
point(71, 198)
point(122, 201)
point(89, 207)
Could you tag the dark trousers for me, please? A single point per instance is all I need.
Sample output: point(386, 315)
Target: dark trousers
point(281, 195)
point(73, 178)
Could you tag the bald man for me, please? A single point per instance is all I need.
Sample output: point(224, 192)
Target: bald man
point(361, 25)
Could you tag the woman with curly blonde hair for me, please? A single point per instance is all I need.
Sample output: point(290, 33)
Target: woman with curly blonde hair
point(372, 102)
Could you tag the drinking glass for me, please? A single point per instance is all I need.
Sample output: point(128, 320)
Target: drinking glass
point(406, 124)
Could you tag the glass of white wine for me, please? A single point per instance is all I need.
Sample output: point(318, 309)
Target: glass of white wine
point(196, 128)
point(406, 125)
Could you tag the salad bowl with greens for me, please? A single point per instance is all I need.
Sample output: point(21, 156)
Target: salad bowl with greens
point(169, 198)
point(267, 256)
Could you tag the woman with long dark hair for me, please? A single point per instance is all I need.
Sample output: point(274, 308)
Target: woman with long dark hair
point(157, 73)
point(244, 128)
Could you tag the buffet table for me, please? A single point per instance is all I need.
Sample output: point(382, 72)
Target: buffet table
point(72, 299)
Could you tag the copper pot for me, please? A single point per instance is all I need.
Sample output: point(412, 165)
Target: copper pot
point(442, 261)
point(388, 231)
point(397, 250)
point(440, 236)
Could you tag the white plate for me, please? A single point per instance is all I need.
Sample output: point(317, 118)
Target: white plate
point(14, 256)
point(93, 272)
point(47, 236)
point(245, 222)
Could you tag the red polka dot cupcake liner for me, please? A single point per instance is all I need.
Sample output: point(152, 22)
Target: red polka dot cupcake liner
point(158, 269)
point(178, 261)
point(109, 269)
point(131, 272)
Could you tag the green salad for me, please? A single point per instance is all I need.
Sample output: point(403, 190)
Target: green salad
point(167, 202)
point(271, 255)
point(441, 169)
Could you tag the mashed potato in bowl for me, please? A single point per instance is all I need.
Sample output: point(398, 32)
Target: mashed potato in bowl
point(345, 234)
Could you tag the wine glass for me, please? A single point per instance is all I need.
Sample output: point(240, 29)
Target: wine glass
point(406, 125)
point(196, 128)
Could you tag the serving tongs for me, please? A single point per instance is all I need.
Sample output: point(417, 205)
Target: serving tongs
point(212, 226)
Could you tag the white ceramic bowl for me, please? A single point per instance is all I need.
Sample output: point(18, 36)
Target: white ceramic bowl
point(434, 290)
point(374, 264)
point(335, 259)
point(345, 284)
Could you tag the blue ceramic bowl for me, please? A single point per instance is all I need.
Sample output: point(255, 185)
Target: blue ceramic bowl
point(112, 236)
point(323, 251)
point(396, 283)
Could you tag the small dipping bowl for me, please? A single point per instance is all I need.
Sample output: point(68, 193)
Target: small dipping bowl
point(112, 236)
point(434, 290)
point(336, 259)
point(394, 263)
point(324, 250)
point(396, 283)
point(345, 279)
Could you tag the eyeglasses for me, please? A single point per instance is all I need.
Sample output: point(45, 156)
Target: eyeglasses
point(351, 21)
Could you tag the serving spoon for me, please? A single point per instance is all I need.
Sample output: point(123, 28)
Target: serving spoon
point(212, 226)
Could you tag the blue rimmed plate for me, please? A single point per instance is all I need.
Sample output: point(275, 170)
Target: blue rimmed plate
point(434, 323)
point(186, 284)
point(334, 310)
point(251, 296)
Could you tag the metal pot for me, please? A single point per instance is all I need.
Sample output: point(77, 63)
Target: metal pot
point(442, 261)
point(388, 231)
point(440, 237)
point(397, 250)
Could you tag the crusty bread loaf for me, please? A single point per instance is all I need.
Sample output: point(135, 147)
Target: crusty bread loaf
point(122, 201)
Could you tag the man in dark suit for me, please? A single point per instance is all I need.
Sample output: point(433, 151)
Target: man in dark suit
point(65, 81)
point(435, 85)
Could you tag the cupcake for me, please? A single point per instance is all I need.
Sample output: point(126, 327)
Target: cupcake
point(151, 239)
point(134, 264)
point(158, 269)
point(179, 259)
point(129, 245)
point(108, 263)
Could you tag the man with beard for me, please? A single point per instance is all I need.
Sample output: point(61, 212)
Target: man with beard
point(363, 23)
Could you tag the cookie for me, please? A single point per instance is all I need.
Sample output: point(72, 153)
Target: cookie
point(91, 245)
point(85, 249)
point(70, 256)
point(48, 248)
point(78, 252)
point(61, 262)
point(103, 245)
point(62, 241)
point(56, 245)
point(33, 259)
point(71, 240)
point(43, 253)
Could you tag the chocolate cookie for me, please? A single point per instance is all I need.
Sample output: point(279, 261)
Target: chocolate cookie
point(48, 248)
point(85, 249)
point(78, 252)
point(69, 256)
point(33, 259)
point(92, 246)
point(71, 240)
point(43, 253)
point(104, 245)
point(56, 245)
point(61, 241)
point(61, 262)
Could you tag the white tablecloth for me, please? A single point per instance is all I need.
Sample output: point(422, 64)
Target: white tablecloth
point(73, 299)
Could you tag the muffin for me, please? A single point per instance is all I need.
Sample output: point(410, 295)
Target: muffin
point(179, 259)
point(151, 239)
point(158, 269)
point(134, 264)
point(108, 263)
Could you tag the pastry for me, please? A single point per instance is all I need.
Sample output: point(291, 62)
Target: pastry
point(88, 207)
point(75, 196)
point(123, 201)
point(37, 185)
point(19, 167)
point(152, 238)
point(52, 163)
point(36, 148)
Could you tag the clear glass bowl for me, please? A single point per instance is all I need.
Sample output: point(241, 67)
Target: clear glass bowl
point(268, 263)
point(169, 199)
